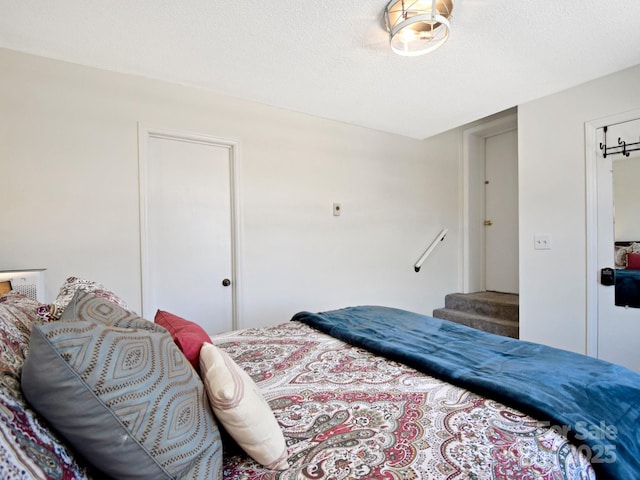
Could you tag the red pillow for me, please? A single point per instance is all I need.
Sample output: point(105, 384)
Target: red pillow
point(633, 261)
point(188, 336)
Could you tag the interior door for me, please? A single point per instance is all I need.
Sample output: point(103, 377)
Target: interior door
point(187, 229)
point(618, 220)
point(501, 212)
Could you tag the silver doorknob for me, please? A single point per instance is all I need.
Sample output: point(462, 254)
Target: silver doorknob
point(226, 282)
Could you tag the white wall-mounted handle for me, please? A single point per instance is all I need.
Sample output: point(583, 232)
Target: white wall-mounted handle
point(436, 241)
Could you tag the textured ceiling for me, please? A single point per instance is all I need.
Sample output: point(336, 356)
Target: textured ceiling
point(331, 58)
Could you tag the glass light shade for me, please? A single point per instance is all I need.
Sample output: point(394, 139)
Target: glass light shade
point(417, 27)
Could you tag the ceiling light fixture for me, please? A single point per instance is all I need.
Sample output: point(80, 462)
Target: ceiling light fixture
point(417, 27)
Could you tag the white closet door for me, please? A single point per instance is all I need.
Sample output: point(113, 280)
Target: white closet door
point(188, 228)
point(501, 210)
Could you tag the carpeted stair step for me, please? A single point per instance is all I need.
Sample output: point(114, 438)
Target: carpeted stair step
point(503, 306)
point(507, 328)
point(492, 312)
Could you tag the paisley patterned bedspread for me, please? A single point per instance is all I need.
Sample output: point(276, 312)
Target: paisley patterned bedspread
point(349, 414)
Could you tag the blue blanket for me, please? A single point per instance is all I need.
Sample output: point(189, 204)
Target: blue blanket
point(595, 402)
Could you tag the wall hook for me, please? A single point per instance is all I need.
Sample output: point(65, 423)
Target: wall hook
point(623, 148)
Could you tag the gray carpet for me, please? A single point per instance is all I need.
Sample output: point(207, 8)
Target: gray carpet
point(489, 311)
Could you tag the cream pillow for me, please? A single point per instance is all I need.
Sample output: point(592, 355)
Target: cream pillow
point(241, 409)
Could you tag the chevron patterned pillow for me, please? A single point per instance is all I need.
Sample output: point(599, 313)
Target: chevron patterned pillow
point(125, 398)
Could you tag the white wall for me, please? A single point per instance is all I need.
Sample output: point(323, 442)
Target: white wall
point(552, 200)
point(69, 187)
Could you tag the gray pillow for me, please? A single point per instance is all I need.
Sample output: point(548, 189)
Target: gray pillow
point(92, 307)
point(124, 398)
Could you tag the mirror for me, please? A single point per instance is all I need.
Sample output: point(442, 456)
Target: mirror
point(626, 203)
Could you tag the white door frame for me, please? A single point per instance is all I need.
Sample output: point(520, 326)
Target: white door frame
point(472, 201)
point(591, 178)
point(144, 133)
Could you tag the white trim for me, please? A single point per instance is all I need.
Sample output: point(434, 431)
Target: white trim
point(592, 240)
point(482, 131)
point(144, 133)
point(463, 213)
point(591, 180)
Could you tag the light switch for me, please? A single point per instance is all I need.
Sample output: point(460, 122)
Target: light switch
point(542, 241)
point(337, 209)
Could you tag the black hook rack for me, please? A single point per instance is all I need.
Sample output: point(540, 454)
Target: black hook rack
point(623, 147)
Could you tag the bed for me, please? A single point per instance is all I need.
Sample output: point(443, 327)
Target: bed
point(351, 404)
